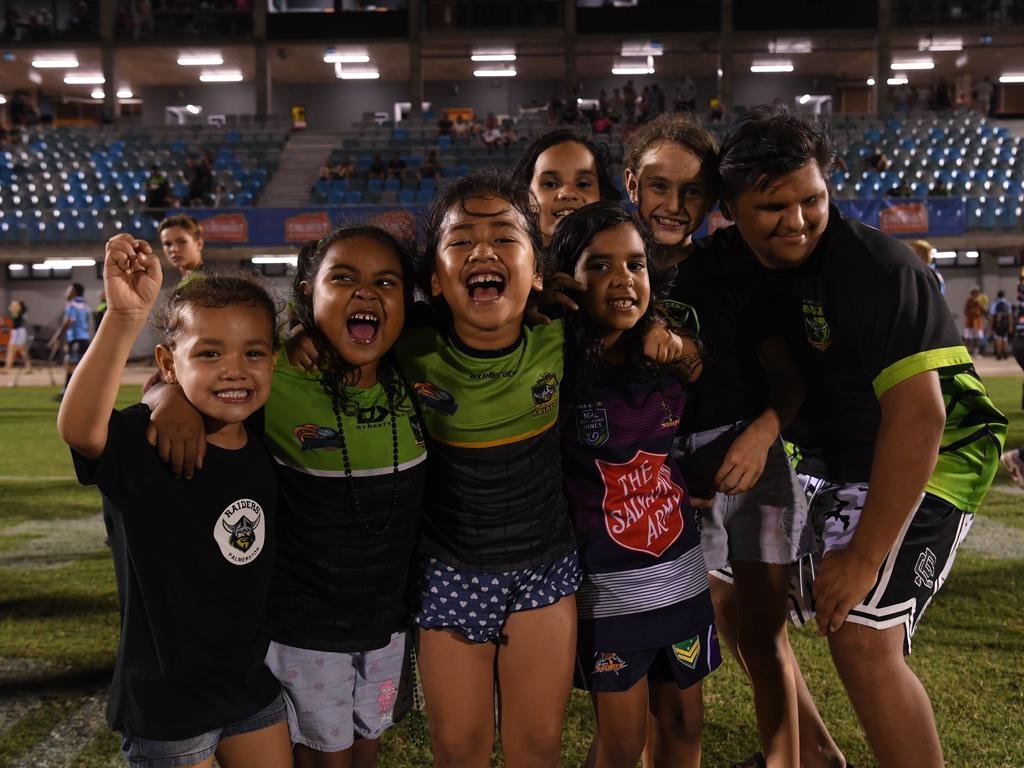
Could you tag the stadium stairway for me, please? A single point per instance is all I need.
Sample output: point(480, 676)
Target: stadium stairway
point(300, 165)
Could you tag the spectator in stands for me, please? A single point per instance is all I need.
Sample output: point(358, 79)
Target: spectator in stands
point(445, 125)
point(555, 109)
point(876, 161)
point(491, 122)
point(943, 96)
point(983, 92)
point(430, 168)
point(396, 166)
point(616, 105)
point(629, 101)
point(643, 105)
point(221, 198)
point(491, 137)
point(717, 112)
point(601, 124)
point(378, 169)
point(461, 128)
point(684, 95)
point(158, 191)
point(924, 251)
point(199, 179)
point(602, 103)
point(346, 169)
point(657, 98)
point(923, 97)
point(939, 189)
point(974, 319)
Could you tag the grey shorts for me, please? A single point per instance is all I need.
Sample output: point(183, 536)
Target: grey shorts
point(151, 753)
point(767, 524)
point(334, 697)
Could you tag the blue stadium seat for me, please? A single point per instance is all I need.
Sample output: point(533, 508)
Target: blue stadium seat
point(425, 196)
point(406, 197)
point(392, 185)
point(374, 185)
point(353, 197)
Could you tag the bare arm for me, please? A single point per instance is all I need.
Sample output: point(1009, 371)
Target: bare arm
point(131, 278)
point(746, 458)
point(176, 429)
point(907, 448)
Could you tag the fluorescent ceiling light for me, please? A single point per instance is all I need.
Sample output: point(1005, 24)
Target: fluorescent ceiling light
point(3, 100)
point(68, 263)
point(65, 62)
point(40, 266)
point(193, 109)
point(16, 267)
point(1011, 78)
point(97, 93)
point(961, 61)
point(200, 60)
point(89, 79)
point(898, 80)
point(913, 64)
point(272, 259)
point(790, 46)
point(971, 254)
point(805, 98)
point(771, 66)
point(355, 74)
point(871, 81)
point(649, 48)
point(346, 58)
point(494, 72)
point(945, 254)
point(940, 44)
point(493, 57)
point(632, 70)
point(124, 93)
point(224, 76)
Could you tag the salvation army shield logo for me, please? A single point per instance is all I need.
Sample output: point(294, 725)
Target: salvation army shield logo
point(642, 503)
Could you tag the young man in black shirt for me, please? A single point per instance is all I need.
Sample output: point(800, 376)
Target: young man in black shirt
point(898, 440)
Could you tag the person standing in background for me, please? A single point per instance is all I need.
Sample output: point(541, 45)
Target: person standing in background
point(76, 330)
point(17, 344)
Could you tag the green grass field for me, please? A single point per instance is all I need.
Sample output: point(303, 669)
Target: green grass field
point(59, 626)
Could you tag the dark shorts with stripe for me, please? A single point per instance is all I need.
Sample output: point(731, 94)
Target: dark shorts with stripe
point(684, 663)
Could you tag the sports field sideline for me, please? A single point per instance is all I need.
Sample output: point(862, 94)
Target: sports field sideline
point(59, 623)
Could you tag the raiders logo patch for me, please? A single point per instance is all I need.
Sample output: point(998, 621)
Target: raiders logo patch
point(240, 531)
point(819, 335)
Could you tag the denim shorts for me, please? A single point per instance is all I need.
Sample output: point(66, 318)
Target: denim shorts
point(477, 605)
point(150, 753)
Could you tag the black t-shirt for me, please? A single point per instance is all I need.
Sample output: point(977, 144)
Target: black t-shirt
point(860, 307)
point(195, 558)
point(720, 295)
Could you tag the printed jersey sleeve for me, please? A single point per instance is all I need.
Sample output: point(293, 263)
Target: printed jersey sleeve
point(117, 471)
point(904, 328)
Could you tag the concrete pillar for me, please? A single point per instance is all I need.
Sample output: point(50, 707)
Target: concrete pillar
point(108, 16)
point(725, 63)
point(261, 60)
point(883, 57)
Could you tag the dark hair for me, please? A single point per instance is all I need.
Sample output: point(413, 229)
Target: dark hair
point(683, 129)
point(584, 356)
point(487, 183)
point(767, 143)
point(605, 183)
point(338, 372)
point(211, 291)
point(77, 289)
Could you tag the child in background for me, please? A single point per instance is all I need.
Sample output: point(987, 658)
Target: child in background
point(194, 556)
point(564, 171)
point(17, 343)
point(352, 465)
point(646, 635)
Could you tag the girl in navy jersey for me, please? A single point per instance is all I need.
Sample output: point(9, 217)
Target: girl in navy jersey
point(194, 557)
point(564, 172)
point(646, 636)
point(351, 464)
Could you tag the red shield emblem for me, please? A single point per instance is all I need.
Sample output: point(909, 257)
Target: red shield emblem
point(641, 503)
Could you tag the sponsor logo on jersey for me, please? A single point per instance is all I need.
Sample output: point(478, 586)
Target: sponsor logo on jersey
point(924, 569)
point(592, 425)
point(371, 416)
point(608, 662)
point(435, 398)
point(642, 504)
point(688, 652)
point(313, 437)
point(492, 375)
point(819, 335)
point(239, 531)
point(545, 393)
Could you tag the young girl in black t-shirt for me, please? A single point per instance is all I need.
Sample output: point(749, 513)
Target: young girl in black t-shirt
point(194, 556)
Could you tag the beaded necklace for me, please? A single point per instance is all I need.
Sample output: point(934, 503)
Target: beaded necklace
point(347, 464)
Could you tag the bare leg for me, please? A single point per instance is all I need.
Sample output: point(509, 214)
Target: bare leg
point(678, 719)
point(266, 748)
point(534, 676)
point(621, 727)
point(364, 753)
point(887, 696)
point(458, 686)
point(305, 757)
